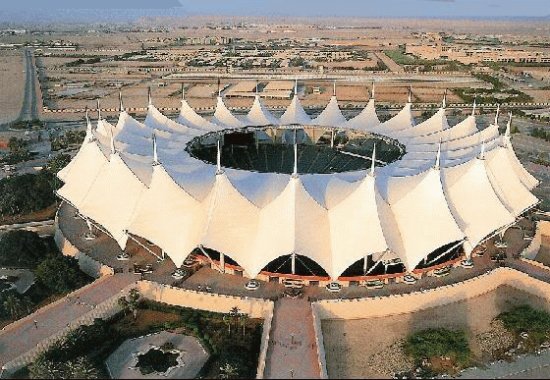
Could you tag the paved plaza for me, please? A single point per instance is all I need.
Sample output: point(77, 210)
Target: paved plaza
point(192, 356)
point(292, 350)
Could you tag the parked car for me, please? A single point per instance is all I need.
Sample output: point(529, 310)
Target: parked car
point(374, 284)
point(293, 284)
point(442, 272)
point(143, 269)
point(501, 244)
point(190, 262)
point(179, 274)
point(123, 256)
point(334, 287)
point(409, 279)
point(252, 285)
point(467, 263)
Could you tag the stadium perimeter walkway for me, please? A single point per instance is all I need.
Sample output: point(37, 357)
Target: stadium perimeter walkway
point(22, 336)
point(292, 352)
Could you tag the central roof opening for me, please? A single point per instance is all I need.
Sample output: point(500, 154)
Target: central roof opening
point(271, 149)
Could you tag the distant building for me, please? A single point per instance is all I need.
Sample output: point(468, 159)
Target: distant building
point(469, 55)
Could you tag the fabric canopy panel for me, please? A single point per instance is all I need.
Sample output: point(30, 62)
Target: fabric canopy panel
point(190, 118)
point(81, 173)
point(331, 116)
point(223, 117)
point(169, 217)
point(402, 121)
point(113, 197)
point(467, 182)
point(515, 196)
point(364, 235)
point(422, 215)
point(366, 120)
point(295, 113)
point(259, 115)
point(436, 123)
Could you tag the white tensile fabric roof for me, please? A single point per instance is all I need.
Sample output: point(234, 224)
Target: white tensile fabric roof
point(462, 184)
point(190, 118)
point(295, 113)
point(331, 115)
point(138, 179)
point(259, 115)
point(366, 120)
point(223, 117)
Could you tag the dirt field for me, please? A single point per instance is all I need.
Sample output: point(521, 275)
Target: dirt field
point(12, 82)
point(350, 345)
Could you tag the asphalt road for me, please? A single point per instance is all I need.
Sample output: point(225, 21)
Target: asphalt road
point(29, 110)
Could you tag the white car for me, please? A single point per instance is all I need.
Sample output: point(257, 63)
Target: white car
point(467, 263)
point(374, 284)
point(293, 284)
point(178, 274)
point(501, 244)
point(409, 279)
point(190, 262)
point(334, 287)
point(252, 285)
point(442, 272)
point(123, 256)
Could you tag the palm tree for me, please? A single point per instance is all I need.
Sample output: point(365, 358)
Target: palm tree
point(227, 319)
point(243, 317)
point(81, 368)
point(228, 371)
point(13, 305)
point(234, 314)
point(123, 303)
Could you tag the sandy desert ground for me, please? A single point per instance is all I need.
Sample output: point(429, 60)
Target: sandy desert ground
point(12, 84)
point(353, 346)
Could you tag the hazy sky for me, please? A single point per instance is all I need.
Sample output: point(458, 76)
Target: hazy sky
point(359, 8)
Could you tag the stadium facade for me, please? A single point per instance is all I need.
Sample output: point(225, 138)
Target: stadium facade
point(449, 189)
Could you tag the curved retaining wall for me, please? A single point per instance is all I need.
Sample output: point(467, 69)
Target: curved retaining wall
point(408, 303)
point(531, 251)
point(87, 264)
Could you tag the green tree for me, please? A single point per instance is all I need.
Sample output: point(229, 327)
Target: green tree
point(79, 368)
point(26, 193)
point(13, 306)
point(130, 302)
point(16, 145)
point(44, 369)
point(22, 249)
point(60, 274)
point(58, 162)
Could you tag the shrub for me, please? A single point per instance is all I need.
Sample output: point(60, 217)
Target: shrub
point(22, 249)
point(80, 368)
point(60, 274)
point(432, 343)
point(526, 319)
